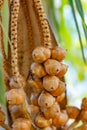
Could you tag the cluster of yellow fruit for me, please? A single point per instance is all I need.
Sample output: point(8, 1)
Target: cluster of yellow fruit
point(48, 89)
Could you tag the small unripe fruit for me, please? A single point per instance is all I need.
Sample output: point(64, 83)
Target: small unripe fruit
point(61, 88)
point(50, 83)
point(58, 53)
point(35, 83)
point(63, 70)
point(15, 96)
point(60, 97)
point(21, 124)
point(41, 122)
point(84, 104)
point(52, 67)
point(60, 119)
point(38, 70)
point(46, 100)
point(72, 112)
point(52, 111)
point(41, 54)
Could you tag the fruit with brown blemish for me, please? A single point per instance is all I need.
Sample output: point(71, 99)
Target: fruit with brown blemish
point(46, 100)
point(41, 54)
point(51, 111)
point(15, 96)
point(50, 83)
point(52, 67)
point(61, 88)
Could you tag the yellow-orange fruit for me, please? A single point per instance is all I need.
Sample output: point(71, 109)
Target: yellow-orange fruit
point(16, 111)
point(35, 83)
point(41, 122)
point(84, 104)
point(38, 70)
point(60, 97)
point(61, 88)
point(21, 124)
point(18, 82)
point(52, 67)
point(15, 96)
point(46, 100)
point(58, 53)
point(41, 54)
point(52, 111)
point(60, 119)
point(72, 112)
point(50, 83)
point(63, 70)
point(83, 115)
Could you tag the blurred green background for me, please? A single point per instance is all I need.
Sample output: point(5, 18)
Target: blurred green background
point(68, 19)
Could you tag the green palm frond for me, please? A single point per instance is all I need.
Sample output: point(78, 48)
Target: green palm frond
point(81, 13)
point(77, 26)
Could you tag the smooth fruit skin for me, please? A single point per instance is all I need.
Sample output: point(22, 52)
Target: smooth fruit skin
point(46, 100)
point(15, 96)
point(52, 111)
point(37, 70)
point(41, 54)
point(63, 70)
point(50, 83)
point(61, 88)
point(60, 119)
point(58, 53)
point(52, 67)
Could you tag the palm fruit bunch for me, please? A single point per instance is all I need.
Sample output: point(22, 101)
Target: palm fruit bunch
point(48, 88)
